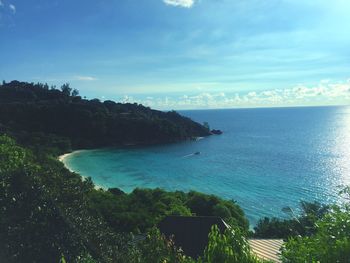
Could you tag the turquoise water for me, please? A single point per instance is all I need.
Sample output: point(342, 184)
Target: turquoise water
point(265, 160)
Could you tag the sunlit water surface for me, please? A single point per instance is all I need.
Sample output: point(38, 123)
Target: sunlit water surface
point(265, 160)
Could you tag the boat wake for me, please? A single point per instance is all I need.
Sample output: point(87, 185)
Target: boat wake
point(192, 154)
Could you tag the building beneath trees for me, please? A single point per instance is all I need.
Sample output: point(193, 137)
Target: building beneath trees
point(190, 233)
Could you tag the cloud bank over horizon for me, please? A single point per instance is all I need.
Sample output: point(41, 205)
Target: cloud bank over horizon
point(326, 92)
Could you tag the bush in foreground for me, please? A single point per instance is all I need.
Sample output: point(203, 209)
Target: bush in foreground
point(304, 225)
point(330, 243)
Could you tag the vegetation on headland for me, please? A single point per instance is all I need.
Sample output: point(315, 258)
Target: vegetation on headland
point(48, 213)
point(60, 118)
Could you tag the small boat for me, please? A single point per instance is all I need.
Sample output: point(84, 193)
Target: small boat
point(216, 132)
point(197, 153)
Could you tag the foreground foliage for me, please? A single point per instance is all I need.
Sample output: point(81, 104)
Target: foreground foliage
point(303, 225)
point(44, 212)
point(329, 243)
point(229, 247)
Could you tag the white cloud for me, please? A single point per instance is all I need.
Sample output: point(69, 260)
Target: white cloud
point(84, 78)
point(13, 8)
point(180, 3)
point(128, 99)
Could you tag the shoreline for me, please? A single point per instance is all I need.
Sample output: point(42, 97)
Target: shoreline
point(64, 156)
point(62, 159)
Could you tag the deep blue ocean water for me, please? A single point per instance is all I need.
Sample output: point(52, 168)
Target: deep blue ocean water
point(265, 160)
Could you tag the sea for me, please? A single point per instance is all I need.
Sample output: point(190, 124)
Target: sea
point(265, 160)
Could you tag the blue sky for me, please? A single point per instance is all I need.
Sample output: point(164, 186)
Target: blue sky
point(183, 54)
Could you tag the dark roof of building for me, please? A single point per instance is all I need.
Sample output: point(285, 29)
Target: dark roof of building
point(190, 233)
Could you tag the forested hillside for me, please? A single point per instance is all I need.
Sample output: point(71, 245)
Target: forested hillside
point(35, 111)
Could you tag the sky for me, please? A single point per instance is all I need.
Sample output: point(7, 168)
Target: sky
point(183, 54)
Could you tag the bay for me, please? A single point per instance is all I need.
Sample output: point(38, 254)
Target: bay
point(266, 159)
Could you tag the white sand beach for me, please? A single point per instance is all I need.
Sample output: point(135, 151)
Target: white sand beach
point(62, 158)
